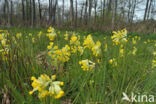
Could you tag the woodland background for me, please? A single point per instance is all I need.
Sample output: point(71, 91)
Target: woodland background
point(102, 15)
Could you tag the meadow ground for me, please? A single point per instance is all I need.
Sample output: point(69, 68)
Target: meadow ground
point(47, 66)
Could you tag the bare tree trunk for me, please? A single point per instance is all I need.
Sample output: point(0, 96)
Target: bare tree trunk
point(86, 14)
point(63, 13)
point(27, 10)
point(129, 10)
point(50, 11)
point(8, 14)
point(115, 14)
point(4, 12)
point(11, 13)
point(76, 14)
point(103, 14)
point(54, 13)
point(153, 9)
point(34, 13)
point(95, 6)
point(133, 12)
point(71, 12)
point(113, 17)
point(90, 9)
point(81, 14)
point(149, 9)
point(146, 9)
point(109, 6)
point(23, 11)
point(30, 11)
point(40, 11)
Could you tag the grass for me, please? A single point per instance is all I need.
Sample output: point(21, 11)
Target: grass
point(104, 85)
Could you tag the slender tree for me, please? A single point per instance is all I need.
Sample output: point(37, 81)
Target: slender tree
point(40, 10)
point(11, 12)
point(103, 11)
point(23, 10)
point(95, 12)
point(90, 9)
point(63, 12)
point(76, 14)
point(71, 12)
point(86, 14)
point(146, 9)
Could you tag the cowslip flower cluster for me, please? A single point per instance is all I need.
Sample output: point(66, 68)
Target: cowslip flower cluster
point(87, 65)
point(96, 49)
point(61, 55)
point(89, 43)
point(119, 37)
point(75, 44)
point(47, 86)
point(51, 33)
point(4, 47)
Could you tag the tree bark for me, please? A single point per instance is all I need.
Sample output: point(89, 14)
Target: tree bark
point(40, 10)
point(23, 10)
point(149, 9)
point(146, 9)
point(95, 12)
point(76, 14)
point(86, 15)
point(90, 9)
point(63, 13)
point(54, 13)
point(71, 12)
point(103, 15)
point(11, 13)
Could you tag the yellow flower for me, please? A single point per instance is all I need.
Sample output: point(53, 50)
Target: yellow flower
point(106, 48)
point(154, 53)
point(18, 35)
point(119, 37)
point(87, 65)
point(61, 55)
point(96, 49)
point(51, 33)
point(113, 62)
point(30, 34)
point(3, 42)
point(134, 51)
point(88, 42)
point(60, 94)
point(33, 40)
point(153, 63)
point(46, 86)
point(133, 41)
point(145, 42)
point(75, 44)
point(121, 52)
point(80, 49)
